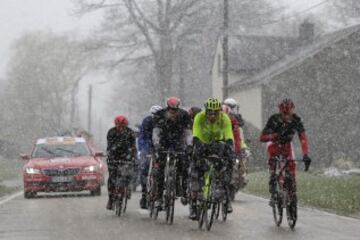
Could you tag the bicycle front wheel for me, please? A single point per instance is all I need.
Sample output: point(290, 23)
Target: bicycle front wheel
point(170, 211)
point(277, 210)
point(118, 206)
point(291, 213)
point(203, 215)
point(224, 209)
point(217, 211)
point(125, 198)
point(214, 207)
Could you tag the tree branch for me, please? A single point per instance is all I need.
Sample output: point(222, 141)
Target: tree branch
point(141, 27)
point(144, 18)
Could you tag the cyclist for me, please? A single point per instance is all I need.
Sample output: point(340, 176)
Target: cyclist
point(241, 151)
point(120, 147)
point(234, 110)
point(239, 144)
point(278, 134)
point(211, 127)
point(193, 111)
point(145, 148)
point(172, 132)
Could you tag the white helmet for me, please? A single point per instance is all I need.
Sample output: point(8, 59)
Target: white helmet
point(154, 109)
point(230, 102)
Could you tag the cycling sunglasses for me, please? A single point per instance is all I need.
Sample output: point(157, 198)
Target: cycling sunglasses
point(212, 113)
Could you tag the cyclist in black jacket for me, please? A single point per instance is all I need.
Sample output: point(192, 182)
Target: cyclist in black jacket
point(120, 147)
point(172, 131)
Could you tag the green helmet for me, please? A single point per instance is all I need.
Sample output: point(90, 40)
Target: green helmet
point(212, 104)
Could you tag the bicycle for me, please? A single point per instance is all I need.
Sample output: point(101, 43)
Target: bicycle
point(214, 193)
point(281, 197)
point(170, 179)
point(152, 190)
point(238, 180)
point(122, 187)
point(171, 187)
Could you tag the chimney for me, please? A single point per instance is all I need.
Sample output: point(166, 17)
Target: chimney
point(306, 32)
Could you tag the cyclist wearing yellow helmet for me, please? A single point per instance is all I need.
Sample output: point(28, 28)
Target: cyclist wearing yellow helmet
point(212, 131)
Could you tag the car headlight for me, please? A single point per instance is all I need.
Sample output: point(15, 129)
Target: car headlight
point(30, 170)
point(92, 168)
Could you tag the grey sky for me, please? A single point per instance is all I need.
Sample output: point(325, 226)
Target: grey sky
point(18, 16)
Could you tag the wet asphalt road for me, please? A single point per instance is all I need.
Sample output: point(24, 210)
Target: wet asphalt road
point(85, 217)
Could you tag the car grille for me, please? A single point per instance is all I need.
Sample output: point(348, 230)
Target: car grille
point(61, 172)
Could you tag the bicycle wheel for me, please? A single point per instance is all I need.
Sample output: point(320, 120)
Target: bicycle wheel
point(167, 207)
point(277, 209)
point(224, 209)
point(125, 198)
point(217, 211)
point(151, 203)
point(151, 198)
point(172, 198)
point(214, 207)
point(171, 210)
point(167, 200)
point(151, 207)
point(203, 215)
point(291, 213)
point(118, 206)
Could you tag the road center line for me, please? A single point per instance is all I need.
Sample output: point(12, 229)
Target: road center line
point(11, 197)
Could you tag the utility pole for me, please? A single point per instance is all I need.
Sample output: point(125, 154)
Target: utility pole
point(181, 75)
point(89, 109)
point(226, 49)
point(100, 132)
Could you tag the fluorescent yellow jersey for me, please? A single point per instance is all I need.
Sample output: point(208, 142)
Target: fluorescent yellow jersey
point(208, 132)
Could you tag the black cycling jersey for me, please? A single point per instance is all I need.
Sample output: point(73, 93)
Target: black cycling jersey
point(172, 130)
point(285, 130)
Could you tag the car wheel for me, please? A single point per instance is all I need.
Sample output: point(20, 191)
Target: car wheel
point(28, 195)
point(96, 192)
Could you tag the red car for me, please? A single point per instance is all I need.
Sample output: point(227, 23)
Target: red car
point(61, 164)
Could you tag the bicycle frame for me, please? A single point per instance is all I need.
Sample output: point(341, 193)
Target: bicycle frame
point(208, 177)
point(125, 172)
point(170, 167)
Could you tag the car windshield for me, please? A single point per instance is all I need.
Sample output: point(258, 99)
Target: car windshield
point(60, 150)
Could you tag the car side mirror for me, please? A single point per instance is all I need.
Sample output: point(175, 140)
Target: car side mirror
point(99, 154)
point(24, 156)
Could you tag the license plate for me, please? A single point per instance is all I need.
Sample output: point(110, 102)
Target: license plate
point(62, 179)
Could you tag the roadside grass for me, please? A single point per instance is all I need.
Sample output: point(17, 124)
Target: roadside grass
point(6, 190)
point(10, 169)
point(335, 194)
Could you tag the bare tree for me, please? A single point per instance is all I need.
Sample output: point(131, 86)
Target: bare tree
point(167, 45)
point(146, 29)
point(42, 75)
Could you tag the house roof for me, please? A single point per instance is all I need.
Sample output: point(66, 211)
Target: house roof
point(253, 52)
point(295, 59)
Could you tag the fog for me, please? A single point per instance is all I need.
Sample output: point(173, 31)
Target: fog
point(18, 17)
point(75, 73)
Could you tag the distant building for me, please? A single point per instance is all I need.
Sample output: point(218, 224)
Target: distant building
point(322, 76)
point(249, 55)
